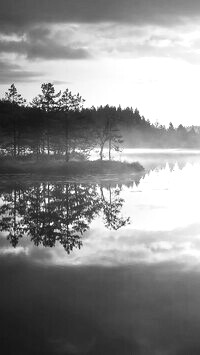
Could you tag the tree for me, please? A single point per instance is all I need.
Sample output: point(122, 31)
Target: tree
point(69, 103)
point(16, 100)
point(182, 135)
point(114, 136)
point(106, 129)
point(13, 97)
point(47, 102)
point(171, 127)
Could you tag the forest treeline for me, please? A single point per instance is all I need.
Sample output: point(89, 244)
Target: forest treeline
point(56, 124)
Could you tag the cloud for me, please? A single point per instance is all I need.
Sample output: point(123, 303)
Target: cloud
point(41, 43)
point(15, 73)
point(48, 50)
point(49, 30)
point(15, 15)
point(88, 29)
point(83, 41)
point(130, 41)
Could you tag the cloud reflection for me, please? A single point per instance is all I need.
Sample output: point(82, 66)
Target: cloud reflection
point(131, 247)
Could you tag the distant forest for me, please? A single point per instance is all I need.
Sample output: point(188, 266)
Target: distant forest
point(56, 124)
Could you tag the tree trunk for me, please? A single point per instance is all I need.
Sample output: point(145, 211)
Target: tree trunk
point(67, 140)
point(14, 138)
point(101, 151)
point(109, 142)
point(48, 143)
point(109, 149)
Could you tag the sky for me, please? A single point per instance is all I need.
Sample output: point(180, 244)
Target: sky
point(139, 53)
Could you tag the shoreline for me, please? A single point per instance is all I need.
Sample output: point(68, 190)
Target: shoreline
point(69, 169)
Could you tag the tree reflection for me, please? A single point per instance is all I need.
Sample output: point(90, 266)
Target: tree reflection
point(10, 220)
point(59, 212)
point(112, 206)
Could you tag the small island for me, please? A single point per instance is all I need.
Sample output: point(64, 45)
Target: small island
point(70, 168)
point(54, 135)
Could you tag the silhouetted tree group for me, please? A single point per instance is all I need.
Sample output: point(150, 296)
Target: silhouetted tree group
point(55, 124)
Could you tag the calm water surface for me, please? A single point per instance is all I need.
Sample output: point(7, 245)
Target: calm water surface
point(103, 268)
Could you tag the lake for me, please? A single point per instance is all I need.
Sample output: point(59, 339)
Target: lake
point(103, 267)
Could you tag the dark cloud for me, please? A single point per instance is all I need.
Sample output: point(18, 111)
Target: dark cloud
point(40, 43)
point(43, 50)
point(16, 15)
point(15, 73)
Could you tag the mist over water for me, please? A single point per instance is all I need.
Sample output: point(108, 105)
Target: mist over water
point(103, 268)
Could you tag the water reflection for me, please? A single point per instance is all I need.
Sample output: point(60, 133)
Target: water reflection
point(132, 290)
point(158, 158)
point(59, 212)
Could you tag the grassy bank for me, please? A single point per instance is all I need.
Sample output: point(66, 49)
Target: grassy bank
point(51, 167)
